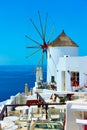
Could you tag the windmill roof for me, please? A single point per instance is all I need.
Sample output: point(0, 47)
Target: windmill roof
point(63, 40)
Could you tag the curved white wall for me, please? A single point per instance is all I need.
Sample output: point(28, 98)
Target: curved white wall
point(68, 50)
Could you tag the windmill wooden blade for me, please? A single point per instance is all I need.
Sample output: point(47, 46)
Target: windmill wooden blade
point(41, 58)
point(32, 53)
point(33, 47)
point(44, 33)
point(32, 40)
point(51, 33)
point(36, 29)
point(40, 23)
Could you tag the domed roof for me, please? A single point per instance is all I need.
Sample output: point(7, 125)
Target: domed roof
point(63, 40)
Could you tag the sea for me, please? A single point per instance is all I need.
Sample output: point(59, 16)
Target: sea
point(14, 77)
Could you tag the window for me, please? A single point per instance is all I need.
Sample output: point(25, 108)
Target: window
point(52, 79)
point(75, 79)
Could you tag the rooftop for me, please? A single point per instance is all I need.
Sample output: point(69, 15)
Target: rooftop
point(63, 40)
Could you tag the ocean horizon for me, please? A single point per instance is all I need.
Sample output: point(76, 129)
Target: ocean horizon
point(14, 77)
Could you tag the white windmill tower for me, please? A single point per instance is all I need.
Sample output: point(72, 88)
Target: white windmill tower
point(62, 46)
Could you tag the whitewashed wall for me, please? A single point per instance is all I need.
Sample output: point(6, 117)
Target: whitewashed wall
point(54, 53)
point(68, 64)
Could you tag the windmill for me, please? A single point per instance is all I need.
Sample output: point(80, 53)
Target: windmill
point(43, 47)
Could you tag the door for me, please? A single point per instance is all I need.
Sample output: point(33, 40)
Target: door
point(63, 81)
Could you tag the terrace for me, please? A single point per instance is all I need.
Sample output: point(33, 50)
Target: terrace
point(37, 110)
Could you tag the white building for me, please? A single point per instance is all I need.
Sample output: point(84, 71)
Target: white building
point(64, 66)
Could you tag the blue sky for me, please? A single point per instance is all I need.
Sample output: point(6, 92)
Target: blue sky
point(70, 15)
